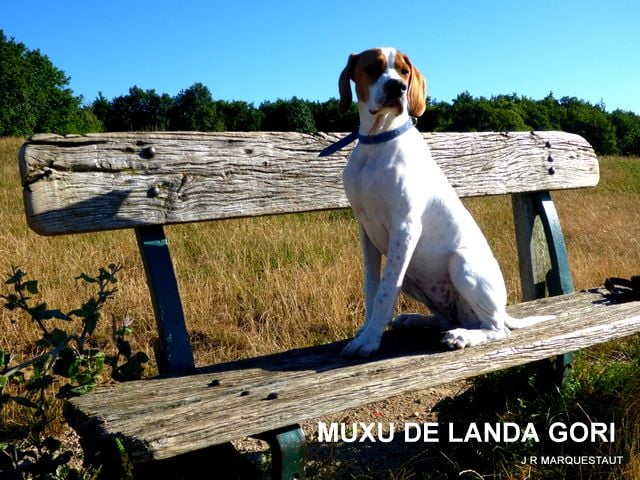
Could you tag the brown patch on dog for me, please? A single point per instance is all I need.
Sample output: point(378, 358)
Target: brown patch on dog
point(364, 69)
point(417, 95)
point(344, 85)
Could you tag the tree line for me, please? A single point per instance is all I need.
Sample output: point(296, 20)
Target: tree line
point(37, 98)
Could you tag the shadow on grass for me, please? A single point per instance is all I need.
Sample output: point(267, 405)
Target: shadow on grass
point(524, 400)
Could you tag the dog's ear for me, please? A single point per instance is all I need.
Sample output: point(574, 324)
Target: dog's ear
point(416, 98)
point(344, 85)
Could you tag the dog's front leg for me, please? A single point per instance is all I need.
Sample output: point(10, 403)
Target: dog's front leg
point(372, 259)
point(402, 244)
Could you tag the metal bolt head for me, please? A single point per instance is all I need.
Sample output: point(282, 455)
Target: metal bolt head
point(154, 191)
point(552, 170)
point(149, 152)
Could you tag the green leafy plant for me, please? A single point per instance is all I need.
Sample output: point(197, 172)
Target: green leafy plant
point(65, 365)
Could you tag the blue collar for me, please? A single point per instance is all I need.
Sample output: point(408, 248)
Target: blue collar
point(367, 139)
point(385, 136)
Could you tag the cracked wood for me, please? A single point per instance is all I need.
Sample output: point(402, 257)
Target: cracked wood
point(116, 180)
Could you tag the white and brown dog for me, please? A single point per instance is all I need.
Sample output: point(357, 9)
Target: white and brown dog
point(408, 211)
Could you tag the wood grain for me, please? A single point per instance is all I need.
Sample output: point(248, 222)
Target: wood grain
point(112, 180)
point(164, 417)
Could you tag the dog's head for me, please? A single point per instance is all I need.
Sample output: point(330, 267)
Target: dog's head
point(385, 80)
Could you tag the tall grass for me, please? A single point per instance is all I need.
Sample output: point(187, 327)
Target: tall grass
point(254, 286)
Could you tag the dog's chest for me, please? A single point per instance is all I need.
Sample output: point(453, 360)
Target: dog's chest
point(385, 184)
point(370, 182)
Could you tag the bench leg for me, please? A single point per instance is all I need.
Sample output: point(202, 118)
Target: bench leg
point(563, 364)
point(288, 450)
point(543, 260)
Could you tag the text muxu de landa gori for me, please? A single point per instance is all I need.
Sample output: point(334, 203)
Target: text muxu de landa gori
point(479, 432)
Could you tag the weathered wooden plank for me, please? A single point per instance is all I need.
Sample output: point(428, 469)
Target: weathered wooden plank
point(161, 418)
point(120, 180)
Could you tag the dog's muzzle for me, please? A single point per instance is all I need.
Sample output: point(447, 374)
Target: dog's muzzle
point(392, 96)
point(394, 89)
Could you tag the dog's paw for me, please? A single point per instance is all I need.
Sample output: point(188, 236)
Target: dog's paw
point(462, 337)
point(365, 343)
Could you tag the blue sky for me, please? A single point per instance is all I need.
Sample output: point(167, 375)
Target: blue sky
point(264, 50)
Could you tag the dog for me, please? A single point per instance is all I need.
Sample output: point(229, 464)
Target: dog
point(407, 211)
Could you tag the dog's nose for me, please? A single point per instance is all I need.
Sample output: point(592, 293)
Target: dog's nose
point(394, 88)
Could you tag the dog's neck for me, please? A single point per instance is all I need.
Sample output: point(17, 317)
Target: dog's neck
point(384, 121)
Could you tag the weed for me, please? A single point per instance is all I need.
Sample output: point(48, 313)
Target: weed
point(65, 364)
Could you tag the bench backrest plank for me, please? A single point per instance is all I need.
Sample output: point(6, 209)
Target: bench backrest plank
point(121, 180)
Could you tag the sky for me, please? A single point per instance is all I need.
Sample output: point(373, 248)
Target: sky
point(265, 50)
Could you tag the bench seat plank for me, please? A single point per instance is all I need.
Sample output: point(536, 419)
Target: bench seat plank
point(120, 180)
point(163, 417)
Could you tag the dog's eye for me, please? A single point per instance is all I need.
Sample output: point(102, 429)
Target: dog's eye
point(404, 71)
point(373, 69)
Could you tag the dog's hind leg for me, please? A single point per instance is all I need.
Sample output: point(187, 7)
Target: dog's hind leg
point(437, 320)
point(482, 298)
point(418, 320)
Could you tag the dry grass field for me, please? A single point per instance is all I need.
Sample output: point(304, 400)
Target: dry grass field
point(254, 286)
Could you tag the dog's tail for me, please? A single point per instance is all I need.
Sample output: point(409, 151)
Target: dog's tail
point(516, 323)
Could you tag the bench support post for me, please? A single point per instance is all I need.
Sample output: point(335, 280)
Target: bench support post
point(542, 255)
point(174, 353)
point(288, 450)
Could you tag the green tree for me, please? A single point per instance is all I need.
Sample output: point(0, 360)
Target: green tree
point(501, 113)
point(540, 114)
point(627, 125)
point(288, 116)
point(194, 110)
point(35, 95)
point(507, 114)
point(238, 116)
point(436, 118)
point(140, 110)
point(327, 119)
point(591, 122)
point(84, 121)
point(101, 107)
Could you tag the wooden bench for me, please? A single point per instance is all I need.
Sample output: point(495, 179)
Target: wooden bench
point(146, 180)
